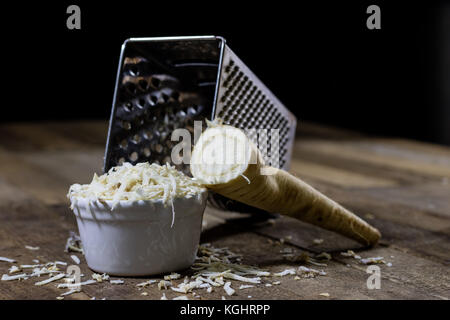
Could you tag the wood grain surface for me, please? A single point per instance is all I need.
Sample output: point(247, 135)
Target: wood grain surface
point(401, 187)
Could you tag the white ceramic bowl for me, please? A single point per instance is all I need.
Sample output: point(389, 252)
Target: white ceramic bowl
point(136, 238)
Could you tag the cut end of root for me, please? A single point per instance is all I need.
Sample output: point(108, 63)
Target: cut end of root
point(221, 154)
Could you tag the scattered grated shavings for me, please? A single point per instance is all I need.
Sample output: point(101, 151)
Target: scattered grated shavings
point(32, 248)
point(187, 287)
point(209, 290)
point(146, 283)
point(297, 278)
point(284, 273)
point(77, 284)
point(246, 179)
point(209, 281)
point(69, 280)
point(73, 243)
point(75, 259)
point(54, 278)
point(318, 241)
point(351, 253)
point(35, 260)
point(310, 273)
point(37, 272)
point(6, 277)
point(374, 260)
point(172, 276)
point(323, 256)
point(227, 287)
point(72, 291)
point(389, 264)
point(100, 277)
point(30, 266)
point(164, 297)
point(181, 298)
point(276, 283)
point(324, 294)
point(268, 284)
point(229, 275)
point(144, 294)
point(223, 298)
point(118, 281)
point(305, 258)
point(249, 297)
point(14, 269)
point(245, 286)
point(164, 284)
point(60, 298)
point(4, 259)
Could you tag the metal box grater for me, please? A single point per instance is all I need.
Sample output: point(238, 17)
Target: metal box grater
point(167, 83)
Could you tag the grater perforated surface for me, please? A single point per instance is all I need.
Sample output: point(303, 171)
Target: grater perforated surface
point(168, 83)
point(246, 103)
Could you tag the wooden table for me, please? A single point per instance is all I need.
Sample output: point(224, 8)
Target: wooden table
point(401, 187)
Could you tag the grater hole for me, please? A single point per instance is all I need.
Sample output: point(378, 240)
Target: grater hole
point(136, 139)
point(175, 95)
point(131, 88)
point(147, 134)
point(134, 156)
point(191, 111)
point(146, 152)
point(133, 70)
point(143, 85)
point(163, 136)
point(169, 144)
point(127, 106)
point(155, 82)
point(126, 125)
point(153, 100)
point(165, 98)
point(181, 114)
point(123, 144)
point(137, 122)
point(158, 148)
point(140, 103)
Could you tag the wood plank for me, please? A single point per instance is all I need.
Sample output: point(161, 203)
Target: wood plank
point(81, 135)
point(338, 176)
point(437, 166)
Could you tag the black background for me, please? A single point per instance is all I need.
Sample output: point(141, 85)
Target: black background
point(318, 57)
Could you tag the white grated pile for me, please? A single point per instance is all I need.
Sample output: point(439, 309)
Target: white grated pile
point(142, 181)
